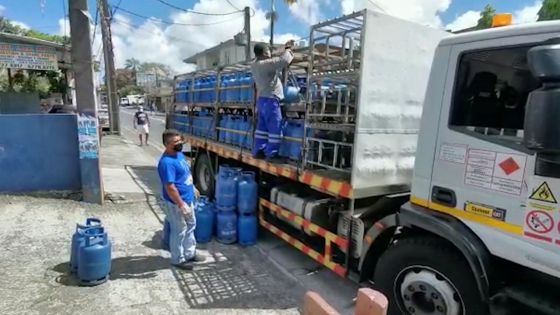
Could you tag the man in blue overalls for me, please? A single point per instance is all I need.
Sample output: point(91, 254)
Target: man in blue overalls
point(266, 72)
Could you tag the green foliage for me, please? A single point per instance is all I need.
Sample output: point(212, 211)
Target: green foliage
point(125, 77)
point(130, 90)
point(7, 27)
point(486, 16)
point(550, 10)
point(132, 64)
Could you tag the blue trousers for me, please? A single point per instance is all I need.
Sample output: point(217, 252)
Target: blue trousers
point(268, 134)
point(182, 243)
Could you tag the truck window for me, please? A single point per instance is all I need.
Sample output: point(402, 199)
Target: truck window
point(491, 90)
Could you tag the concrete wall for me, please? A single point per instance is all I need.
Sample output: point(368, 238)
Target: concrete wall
point(39, 153)
point(19, 103)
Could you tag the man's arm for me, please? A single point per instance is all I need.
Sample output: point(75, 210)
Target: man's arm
point(281, 62)
point(148, 119)
point(174, 194)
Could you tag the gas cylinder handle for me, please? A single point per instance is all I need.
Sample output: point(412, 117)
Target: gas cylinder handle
point(91, 220)
point(102, 237)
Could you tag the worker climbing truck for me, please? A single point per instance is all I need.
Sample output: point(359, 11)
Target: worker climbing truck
point(423, 163)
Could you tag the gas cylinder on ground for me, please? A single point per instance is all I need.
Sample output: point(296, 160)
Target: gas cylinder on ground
point(226, 188)
point(204, 221)
point(247, 229)
point(94, 257)
point(226, 226)
point(78, 238)
point(247, 193)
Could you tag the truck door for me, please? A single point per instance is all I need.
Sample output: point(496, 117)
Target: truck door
point(481, 168)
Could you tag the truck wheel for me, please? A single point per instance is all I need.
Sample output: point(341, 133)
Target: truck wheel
point(203, 175)
point(426, 275)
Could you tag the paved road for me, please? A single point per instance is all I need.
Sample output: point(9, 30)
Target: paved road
point(157, 126)
point(338, 291)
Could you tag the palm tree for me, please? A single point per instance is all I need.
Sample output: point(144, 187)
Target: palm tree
point(132, 64)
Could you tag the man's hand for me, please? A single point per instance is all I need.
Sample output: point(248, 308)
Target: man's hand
point(186, 210)
point(196, 193)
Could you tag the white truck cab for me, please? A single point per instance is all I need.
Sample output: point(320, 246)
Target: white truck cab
point(486, 180)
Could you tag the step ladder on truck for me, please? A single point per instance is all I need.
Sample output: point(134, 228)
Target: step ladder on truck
point(429, 164)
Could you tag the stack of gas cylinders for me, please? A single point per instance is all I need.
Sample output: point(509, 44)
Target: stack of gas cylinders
point(90, 253)
point(235, 207)
point(292, 128)
point(203, 124)
point(236, 122)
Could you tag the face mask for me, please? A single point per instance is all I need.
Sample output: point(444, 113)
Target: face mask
point(178, 147)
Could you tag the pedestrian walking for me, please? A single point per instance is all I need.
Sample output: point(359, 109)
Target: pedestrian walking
point(266, 72)
point(141, 122)
point(178, 197)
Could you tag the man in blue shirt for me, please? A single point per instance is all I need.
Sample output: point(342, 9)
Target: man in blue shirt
point(178, 197)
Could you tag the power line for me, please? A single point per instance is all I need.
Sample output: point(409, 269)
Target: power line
point(174, 23)
point(378, 6)
point(194, 12)
point(236, 8)
point(115, 9)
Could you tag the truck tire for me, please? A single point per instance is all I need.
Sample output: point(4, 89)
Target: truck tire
point(203, 178)
point(426, 275)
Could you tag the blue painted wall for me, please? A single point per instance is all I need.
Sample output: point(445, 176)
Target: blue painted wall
point(39, 153)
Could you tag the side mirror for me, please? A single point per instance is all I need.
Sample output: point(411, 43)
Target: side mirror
point(542, 114)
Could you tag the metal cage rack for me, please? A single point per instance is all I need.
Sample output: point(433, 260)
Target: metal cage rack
point(333, 88)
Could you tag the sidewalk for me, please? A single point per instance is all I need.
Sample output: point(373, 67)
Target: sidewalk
point(34, 255)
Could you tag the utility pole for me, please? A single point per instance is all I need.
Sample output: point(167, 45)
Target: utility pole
point(110, 82)
point(272, 18)
point(247, 29)
point(82, 67)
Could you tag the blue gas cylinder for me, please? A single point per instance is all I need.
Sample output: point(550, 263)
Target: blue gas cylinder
point(229, 125)
point(165, 235)
point(226, 226)
point(247, 227)
point(94, 257)
point(297, 131)
point(291, 94)
point(186, 93)
point(222, 133)
point(78, 239)
point(231, 82)
point(212, 93)
point(235, 126)
point(249, 137)
point(204, 221)
point(196, 92)
point(226, 189)
point(223, 85)
point(247, 193)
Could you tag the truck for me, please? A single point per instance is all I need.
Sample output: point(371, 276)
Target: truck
point(428, 164)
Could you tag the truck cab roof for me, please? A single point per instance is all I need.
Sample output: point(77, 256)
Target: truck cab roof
point(501, 32)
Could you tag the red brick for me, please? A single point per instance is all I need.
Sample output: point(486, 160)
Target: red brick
point(371, 302)
point(314, 304)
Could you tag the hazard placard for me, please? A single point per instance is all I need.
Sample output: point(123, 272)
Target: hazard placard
point(543, 193)
point(539, 221)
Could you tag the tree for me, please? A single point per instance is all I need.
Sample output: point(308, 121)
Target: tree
point(131, 90)
point(132, 64)
point(486, 16)
point(124, 77)
point(550, 10)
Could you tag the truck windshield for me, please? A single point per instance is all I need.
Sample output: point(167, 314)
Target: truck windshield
point(491, 90)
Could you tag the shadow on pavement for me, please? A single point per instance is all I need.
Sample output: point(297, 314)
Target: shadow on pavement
point(233, 277)
point(134, 267)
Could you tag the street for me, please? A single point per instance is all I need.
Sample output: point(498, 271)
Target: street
point(292, 263)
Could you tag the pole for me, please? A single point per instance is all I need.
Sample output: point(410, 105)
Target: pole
point(10, 80)
point(82, 64)
point(272, 17)
point(110, 82)
point(247, 29)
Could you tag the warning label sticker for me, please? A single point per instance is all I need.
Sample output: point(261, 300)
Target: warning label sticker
point(542, 217)
point(539, 221)
point(497, 171)
point(543, 193)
